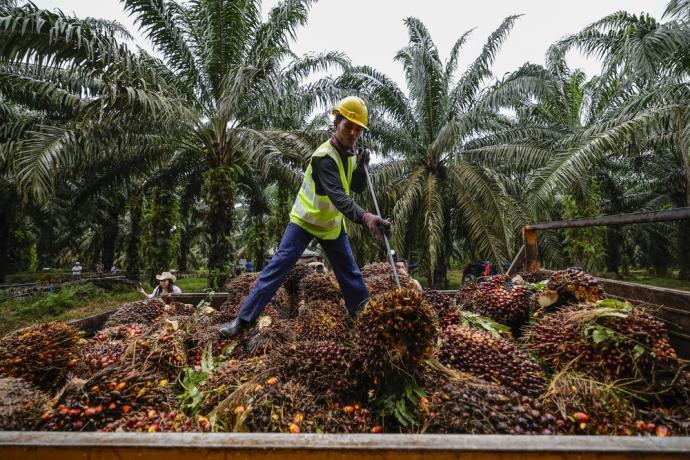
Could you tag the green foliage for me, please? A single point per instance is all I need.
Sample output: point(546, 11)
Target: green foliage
point(65, 298)
point(470, 319)
point(160, 238)
point(585, 247)
point(401, 405)
point(191, 380)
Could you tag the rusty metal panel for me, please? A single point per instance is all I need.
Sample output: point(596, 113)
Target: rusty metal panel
point(531, 249)
point(171, 446)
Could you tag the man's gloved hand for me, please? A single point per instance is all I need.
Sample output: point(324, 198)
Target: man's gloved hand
point(376, 225)
point(363, 157)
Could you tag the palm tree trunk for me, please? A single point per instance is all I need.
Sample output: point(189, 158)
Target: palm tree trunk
point(614, 240)
point(684, 226)
point(160, 241)
point(110, 234)
point(134, 239)
point(219, 192)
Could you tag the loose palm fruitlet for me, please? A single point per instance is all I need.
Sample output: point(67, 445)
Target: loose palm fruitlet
point(497, 298)
point(321, 366)
point(470, 405)
point(41, 354)
point(152, 421)
point(574, 285)
point(144, 312)
point(393, 335)
point(352, 417)
point(88, 405)
point(492, 358)
point(608, 343)
point(21, 405)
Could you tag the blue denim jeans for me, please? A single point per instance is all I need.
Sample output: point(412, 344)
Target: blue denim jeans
point(295, 241)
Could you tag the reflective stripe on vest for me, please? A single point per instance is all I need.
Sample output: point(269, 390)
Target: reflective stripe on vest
point(316, 213)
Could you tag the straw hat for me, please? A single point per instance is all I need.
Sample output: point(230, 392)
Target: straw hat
point(166, 276)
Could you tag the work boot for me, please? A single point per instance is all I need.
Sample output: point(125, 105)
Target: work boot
point(233, 329)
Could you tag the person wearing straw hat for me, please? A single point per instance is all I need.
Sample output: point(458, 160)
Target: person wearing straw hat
point(166, 285)
point(319, 211)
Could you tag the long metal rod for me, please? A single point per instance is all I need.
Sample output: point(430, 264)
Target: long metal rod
point(617, 219)
point(385, 238)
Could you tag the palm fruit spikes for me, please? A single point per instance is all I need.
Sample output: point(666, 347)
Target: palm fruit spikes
point(492, 358)
point(42, 354)
point(393, 335)
point(21, 405)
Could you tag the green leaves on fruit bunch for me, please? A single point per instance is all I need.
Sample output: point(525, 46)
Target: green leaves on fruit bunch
point(401, 405)
point(607, 337)
point(476, 321)
point(192, 379)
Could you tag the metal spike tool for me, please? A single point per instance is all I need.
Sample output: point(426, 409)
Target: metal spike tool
point(385, 238)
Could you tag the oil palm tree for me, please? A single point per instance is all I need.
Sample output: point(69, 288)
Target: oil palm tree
point(442, 182)
point(230, 67)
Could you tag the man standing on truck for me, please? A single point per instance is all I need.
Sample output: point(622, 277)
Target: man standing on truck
point(336, 168)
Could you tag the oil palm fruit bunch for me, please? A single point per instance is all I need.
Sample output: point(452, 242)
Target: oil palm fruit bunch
point(321, 326)
point(384, 283)
point(574, 285)
point(498, 298)
point(446, 311)
point(42, 354)
point(318, 287)
point(321, 366)
point(21, 405)
point(610, 340)
point(225, 380)
point(376, 269)
point(491, 358)
point(393, 335)
point(298, 272)
point(269, 335)
point(587, 406)
point(143, 311)
point(239, 290)
point(457, 402)
point(88, 405)
point(536, 276)
point(273, 406)
point(162, 349)
point(476, 407)
point(152, 421)
point(203, 325)
point(106, 348)
point(98, 354)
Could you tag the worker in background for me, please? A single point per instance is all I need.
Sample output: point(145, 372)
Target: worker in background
point(166, 285)
point(76, 270)
point(335, 170)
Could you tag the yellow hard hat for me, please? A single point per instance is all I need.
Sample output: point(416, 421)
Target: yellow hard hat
point(354, 109)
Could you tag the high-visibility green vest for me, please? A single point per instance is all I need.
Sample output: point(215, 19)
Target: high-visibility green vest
point(316, 213)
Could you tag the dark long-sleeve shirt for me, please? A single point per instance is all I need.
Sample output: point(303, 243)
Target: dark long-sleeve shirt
point(327, 182)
